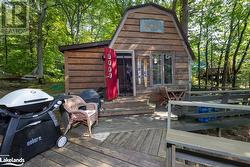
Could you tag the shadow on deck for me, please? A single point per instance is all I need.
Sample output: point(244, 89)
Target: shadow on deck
point(117, 141)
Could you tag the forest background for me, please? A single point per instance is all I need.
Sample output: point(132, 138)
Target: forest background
point(218, 31)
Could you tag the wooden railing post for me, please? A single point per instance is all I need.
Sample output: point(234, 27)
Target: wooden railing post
point(169, 114)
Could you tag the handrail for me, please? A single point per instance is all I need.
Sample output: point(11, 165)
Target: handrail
point(219, 91)
point(203, 104)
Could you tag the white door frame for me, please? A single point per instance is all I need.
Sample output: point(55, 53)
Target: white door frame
point(132, 52)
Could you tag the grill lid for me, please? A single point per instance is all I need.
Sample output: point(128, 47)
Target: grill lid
point(24, 97)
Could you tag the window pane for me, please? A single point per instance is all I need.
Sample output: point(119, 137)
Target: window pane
point(167, 69)
point(156, 69)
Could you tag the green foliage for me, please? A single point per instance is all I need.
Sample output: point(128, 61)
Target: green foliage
point(99, 20)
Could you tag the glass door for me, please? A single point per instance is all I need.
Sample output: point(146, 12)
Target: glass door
point(125, 78)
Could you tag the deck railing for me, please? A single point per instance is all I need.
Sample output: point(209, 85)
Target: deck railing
point(224, 96)
point(203, 104)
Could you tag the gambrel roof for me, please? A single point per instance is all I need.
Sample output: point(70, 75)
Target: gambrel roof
point(111, 42)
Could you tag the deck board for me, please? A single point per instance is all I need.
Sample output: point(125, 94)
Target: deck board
point(61, 159)
point(97, 155)
point(40, 161)
point(154, 146)
point(141, 139)
point(162, 147)
point(80, 157)
point(132, 141)
point(143, 162)
point(149, 141)
point(125, 138)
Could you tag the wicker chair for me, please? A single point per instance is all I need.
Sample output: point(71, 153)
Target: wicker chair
point(80, 112)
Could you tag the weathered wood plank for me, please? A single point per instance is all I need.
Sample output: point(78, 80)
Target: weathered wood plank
point(136, 28)
point(163, 146)
point(86, 79)
point(85, 61)
point(80, 157)
point(40, 161)
point(149, 47)
point(147, 142)
point(79, 90)
point(117, 138)
point(141, 139)
point(66, 72)
point(86, 67)
point(83, 55)
point(132, 21)
point(86, 73)
point(217, 146)
point(181, 65)
point(217, 114)
point(109, 138)
point(129, 34)
point(61, 159)
point(138, 155)
point(125, 137)
point(132, 140)
point(148, 41)
point(154, 147)
point(85, 85)
point(149, 16)
point(100, 156)
point(122, 156)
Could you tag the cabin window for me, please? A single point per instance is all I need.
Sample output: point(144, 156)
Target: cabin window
point(162, 69)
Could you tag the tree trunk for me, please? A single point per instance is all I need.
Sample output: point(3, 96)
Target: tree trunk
point(237, 50)
point(206, 56)
point(184, 17)
point(240, 64)
point(228, 47)
point(41, 16)
point(211, 63)
point(218, 68)
point(199, 50)
point(6, 48)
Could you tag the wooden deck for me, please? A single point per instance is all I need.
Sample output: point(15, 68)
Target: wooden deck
point(135, 140)
point(148, 141)
point(135, 148)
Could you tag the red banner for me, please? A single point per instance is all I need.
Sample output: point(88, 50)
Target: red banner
point(111, 73)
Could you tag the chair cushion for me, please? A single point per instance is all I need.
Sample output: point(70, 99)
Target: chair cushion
point(89, 112)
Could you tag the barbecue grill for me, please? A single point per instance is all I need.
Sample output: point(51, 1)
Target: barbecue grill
point(28, 122)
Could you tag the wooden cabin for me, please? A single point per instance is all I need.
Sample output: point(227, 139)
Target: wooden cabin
point(151, 52)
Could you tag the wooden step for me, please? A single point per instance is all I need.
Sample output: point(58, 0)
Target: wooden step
point(127, 111)
point(124, 104)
